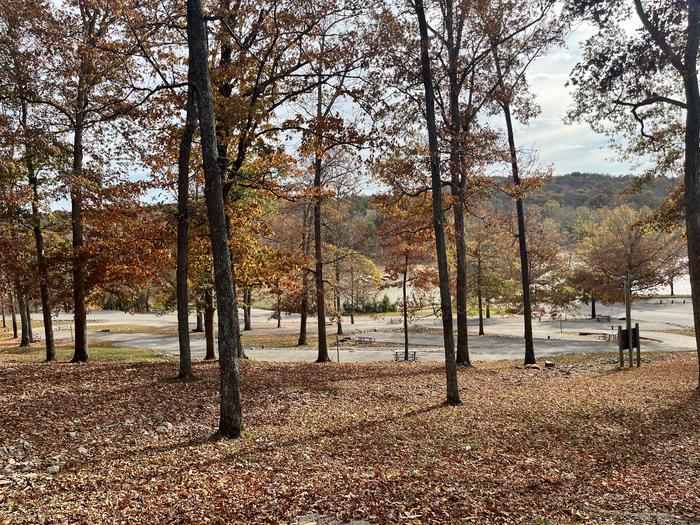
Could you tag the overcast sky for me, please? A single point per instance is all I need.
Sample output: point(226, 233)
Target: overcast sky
point(567, 147)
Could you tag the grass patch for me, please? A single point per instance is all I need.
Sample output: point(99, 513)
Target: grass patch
point(11, 353)
point(281, 340)
point(132, 329)
point(38, 322)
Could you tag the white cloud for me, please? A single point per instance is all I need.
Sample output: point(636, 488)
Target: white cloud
point(569, 147)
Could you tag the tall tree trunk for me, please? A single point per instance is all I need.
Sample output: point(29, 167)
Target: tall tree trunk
point(39, 245)
point(352, 296)
point(488, 308)
point(30, 333)
point(239, 348)
point(2, 305)
point(199, 327)
point(458, 179)
point(438, 212)
point(209, 324)
point(14, 316)
point(479, 294)
point(338, 299)
point(80, 353)
point(279, 310)
point(247, 298)
point(593, 314)
point(240, 352)
point(405, 307)
point(183, 218)
point(304, 311)
point(323, 356)
point(522, 243)
point(692, 163)
point(304, 307)
point(22, 307)
point(462, 298)
point(231, 413)
point(222, 130)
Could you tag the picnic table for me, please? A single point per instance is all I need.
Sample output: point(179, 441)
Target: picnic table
point(365, 339)
point(400, 355)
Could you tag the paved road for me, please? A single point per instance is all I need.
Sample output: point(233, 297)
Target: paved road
point(503, 339)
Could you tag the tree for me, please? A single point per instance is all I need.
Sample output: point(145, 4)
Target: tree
point(511, 58)
point(327, 135)
point(183, 205)
point(20, 64)
point(490, 250)
point(407, 243)
point(643, 86)
point(438, 211)
point(675, 268)
point(548, 270)
point(618, 244)
point(87, 78)
point(231, 414)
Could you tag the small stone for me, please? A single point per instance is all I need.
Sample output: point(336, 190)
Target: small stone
point(168, 425)
point(129, 422)
point(73, 434)
point(8, 470)
point(532, 367)
point(468, 448)
point(82, 450)
point(23, 443)
point(162, 429)
point(549, 364)
point(53, 469)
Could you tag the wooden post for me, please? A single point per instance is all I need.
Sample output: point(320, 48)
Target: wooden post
point(620, 346)
point(628, 316)
point(639, 345)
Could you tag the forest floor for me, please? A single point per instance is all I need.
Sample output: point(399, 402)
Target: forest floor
point(123, 442)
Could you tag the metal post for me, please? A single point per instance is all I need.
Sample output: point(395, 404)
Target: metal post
point(639, 345)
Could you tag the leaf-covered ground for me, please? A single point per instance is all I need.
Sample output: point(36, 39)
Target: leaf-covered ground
point(576, 444)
